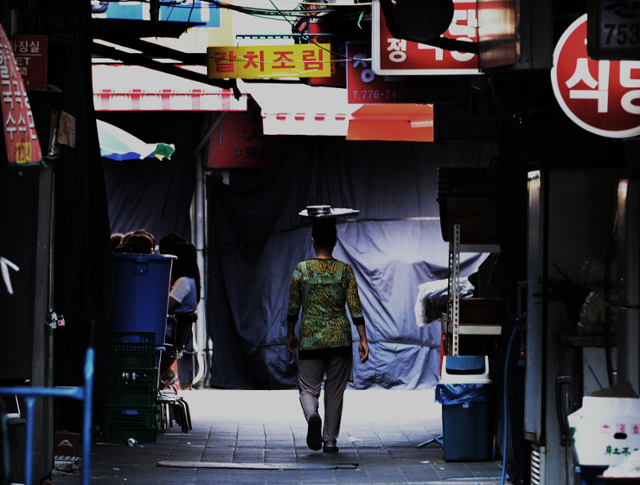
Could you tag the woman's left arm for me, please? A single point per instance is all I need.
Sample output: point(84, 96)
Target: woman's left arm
point(363, 346)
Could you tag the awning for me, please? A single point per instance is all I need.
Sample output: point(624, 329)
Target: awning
point(298, 109)
point(117, 144)
point(118, 87)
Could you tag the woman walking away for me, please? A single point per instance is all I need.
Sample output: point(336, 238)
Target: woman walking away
point(321, 287)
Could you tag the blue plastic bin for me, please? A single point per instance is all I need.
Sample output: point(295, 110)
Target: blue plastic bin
point(467, 397)
point(141, 293)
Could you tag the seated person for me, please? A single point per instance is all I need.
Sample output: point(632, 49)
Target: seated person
point(183, 302)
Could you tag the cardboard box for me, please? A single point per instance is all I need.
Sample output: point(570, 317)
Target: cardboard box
point(477, 217)
point(605, 430)
point(481, 310)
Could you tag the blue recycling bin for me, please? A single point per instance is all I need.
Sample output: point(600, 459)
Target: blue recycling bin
point(467, 397)
point(141, 293)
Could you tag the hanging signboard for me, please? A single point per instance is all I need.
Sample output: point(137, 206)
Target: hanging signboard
point(399, 56)
point(21, 139)
point(239, 141)
point(30, 52)
point(602, 97)
point(365, 87)
point(269, 61)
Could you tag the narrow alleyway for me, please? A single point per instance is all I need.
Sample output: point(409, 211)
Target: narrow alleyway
point(379, 444)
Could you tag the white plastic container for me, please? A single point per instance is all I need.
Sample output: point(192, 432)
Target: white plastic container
point(465, 377)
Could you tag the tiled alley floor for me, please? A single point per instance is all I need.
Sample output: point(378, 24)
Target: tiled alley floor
point(379, 444)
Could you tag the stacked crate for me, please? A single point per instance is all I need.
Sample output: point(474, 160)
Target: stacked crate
point(132, 388)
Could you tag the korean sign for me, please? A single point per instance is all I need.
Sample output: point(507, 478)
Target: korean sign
point(365, 87)
point(602, 97)
point(239, 141)
point(30, 52)
point(399, 56)
point(263, 62)
point(613, 30)
point(21, 139)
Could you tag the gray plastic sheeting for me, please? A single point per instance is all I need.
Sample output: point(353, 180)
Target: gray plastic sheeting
point(394, 245)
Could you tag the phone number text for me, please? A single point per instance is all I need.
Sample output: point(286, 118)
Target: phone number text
point(409, 94)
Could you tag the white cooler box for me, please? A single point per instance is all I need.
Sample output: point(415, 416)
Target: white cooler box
point(606, 430)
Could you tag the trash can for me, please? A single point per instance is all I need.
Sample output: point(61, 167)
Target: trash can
point(467, 395)
point(141, 293)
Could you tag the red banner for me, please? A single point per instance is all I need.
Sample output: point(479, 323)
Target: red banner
point(21, 139)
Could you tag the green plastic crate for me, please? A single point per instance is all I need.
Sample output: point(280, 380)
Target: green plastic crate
point(132, 418)
point(132, 380)
point(132, 350)
point(132, 399)
point(123, 435)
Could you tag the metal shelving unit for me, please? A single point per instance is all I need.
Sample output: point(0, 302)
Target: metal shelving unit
point(453, 327)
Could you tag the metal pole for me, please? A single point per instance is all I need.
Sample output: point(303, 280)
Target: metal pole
point(87, 423)
point(28, 457)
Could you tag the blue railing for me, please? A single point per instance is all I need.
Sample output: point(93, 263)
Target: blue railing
point(80, 393)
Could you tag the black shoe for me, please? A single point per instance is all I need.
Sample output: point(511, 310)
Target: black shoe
point(314, 432)
point(330, 449)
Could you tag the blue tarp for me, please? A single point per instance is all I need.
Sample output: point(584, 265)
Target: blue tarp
point(257, 238)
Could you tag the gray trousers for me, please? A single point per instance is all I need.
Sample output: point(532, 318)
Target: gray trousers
point(310, 374)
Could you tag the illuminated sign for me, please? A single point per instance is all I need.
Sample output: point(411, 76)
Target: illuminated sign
point(269, 61)
point(399, 56)
point(365, 87)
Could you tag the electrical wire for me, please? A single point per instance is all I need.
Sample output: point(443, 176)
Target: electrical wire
point(274, 6)
point(297, 13)
point(339, 5)
point(268, 13)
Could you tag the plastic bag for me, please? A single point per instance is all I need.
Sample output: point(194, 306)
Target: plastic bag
point(432, 299)
point(451, 394)
point(592, 314)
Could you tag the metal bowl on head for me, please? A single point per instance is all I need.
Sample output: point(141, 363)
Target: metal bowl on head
point(327, 212)
point(318, 210)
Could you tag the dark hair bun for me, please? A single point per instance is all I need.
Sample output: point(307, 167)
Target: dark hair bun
point(324, 232)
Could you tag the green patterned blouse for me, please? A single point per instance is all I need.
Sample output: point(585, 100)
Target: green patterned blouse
point(328, 284)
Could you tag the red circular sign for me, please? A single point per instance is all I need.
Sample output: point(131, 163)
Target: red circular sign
point(602, 97)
